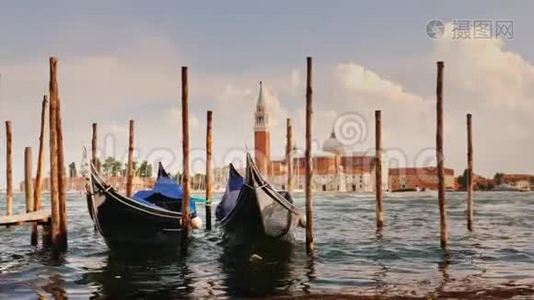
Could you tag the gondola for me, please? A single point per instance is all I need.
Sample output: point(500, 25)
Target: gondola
point(149, 218)
point(251, 210)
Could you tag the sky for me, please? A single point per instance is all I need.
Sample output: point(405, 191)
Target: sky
point(120, 60)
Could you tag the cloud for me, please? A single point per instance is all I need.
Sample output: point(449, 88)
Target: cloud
point(361, 80)
point(481, 77)
point(143, 83)
point(485, 69)
point(358, 91)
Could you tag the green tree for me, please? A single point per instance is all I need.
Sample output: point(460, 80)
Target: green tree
point(124, 171)
point(498, 178)
point(144, 170)
point(108, 165)
point(111, 166)
point(116, 168)
point(462, 180)
point(149, 171)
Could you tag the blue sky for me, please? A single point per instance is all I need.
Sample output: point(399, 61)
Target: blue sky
point(235, 35)
point(121, 60)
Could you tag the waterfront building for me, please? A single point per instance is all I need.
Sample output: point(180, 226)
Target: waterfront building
point(403, 179)
point(521, 182)
point(335, 168)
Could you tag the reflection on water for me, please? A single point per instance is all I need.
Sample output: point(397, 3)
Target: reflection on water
point(136, 273)
point(443, 267)
point(256, 270)
point(404, 259)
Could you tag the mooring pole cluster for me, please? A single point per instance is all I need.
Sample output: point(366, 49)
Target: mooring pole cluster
point(56, 233)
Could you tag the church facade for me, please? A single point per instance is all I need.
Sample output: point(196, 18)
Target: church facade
point(335, 168)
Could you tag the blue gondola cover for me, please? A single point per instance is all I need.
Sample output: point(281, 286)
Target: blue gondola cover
point(165, 190)
point(233, 188)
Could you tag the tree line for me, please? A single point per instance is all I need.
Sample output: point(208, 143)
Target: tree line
point(484, 185)
point(114, 167)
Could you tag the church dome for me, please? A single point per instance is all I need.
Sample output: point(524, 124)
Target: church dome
point(332, 145)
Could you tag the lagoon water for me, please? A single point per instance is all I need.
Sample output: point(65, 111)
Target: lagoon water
point(350, 259)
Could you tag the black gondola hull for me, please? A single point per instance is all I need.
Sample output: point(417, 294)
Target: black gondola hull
point(124, 222)
point(245, 222)
point(260, 212)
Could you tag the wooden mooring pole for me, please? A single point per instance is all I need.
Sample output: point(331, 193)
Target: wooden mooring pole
point(61, 177)
point(130, 171)
point(54, 192)
point(308, 183)
point(185, 151)
point(28, 185)
point(57, 237)
point(39, 173)
point(9, 170)
point(378, 171)
point(470, 212)
point(209, 170)
point(28, 190)
point(289, 156)
point(94, 159)
point(439, 156)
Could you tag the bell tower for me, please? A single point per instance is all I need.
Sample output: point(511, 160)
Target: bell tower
point(262, 136)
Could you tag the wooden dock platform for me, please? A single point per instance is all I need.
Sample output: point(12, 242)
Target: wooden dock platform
point(41, 217)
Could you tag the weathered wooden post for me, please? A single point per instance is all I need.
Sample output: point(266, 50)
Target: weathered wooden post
point(185, 151)
point(28, 185)
point(130, 171)
point(308, 188)
point(94, 159)
point(28, 190)
point(289, 156)
point(54, 172)
point(209, 170)
point(39, 175)
point(378, 170)
point(440, 158)
point(469, 174)
point(61, 177)
point(9, 170)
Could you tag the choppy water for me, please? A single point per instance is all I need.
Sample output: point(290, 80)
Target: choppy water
point(496, 260)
